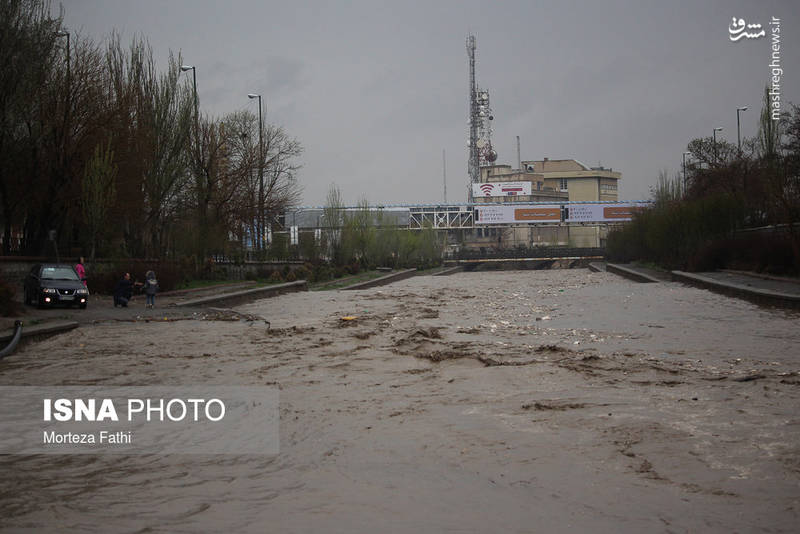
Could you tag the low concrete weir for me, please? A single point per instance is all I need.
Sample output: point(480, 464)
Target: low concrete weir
point(247, 295)
point(383, 280)
point(449, 270)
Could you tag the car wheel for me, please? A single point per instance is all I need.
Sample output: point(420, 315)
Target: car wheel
point(83, 306)
point(40, 302)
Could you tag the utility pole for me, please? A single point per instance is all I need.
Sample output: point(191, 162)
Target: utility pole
point(444, 175)
point(260, 215)
point(684, 173)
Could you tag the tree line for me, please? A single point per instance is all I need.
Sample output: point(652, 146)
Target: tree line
point(734, 207)
point(102, 153)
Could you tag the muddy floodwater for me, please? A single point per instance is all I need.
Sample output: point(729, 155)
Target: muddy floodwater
point(517, 401)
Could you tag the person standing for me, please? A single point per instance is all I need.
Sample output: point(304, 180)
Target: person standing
point(81, 270)
point(150, 289)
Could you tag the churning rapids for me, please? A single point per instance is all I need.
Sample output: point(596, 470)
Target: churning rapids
point(513, 401)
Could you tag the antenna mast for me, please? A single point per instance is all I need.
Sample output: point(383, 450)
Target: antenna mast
point(474, 165)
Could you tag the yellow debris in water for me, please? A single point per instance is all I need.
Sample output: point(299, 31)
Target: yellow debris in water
point(349, 318)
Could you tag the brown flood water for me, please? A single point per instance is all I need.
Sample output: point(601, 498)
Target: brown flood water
point(517, 401)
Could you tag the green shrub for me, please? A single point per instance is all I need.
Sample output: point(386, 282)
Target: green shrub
point(675, 234)
point(301, 273)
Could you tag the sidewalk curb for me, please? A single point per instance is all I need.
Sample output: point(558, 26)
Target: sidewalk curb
point(42, 329)
point(760, 296)
point(597, 267)
point(631, 274)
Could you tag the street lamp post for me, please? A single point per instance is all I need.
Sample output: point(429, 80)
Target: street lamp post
point(684, 172)
point(184, 68)
point(738, 131)
point(260, 216)
point(68, 98)
point(717, 129)
point(65, 33)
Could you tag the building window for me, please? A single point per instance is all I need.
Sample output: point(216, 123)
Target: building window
point(563, 183)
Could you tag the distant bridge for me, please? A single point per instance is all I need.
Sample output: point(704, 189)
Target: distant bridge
point(468, 216)
point(534, 253)
point(535, 257)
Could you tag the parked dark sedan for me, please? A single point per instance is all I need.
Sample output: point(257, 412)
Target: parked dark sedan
point(50, 284)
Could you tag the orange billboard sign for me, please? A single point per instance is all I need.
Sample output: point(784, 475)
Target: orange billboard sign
point(538, 214)
point(620, 212)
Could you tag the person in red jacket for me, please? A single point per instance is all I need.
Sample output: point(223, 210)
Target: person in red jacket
point(81, 270)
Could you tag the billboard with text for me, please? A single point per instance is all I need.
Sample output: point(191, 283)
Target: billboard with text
point(517, 213)
point(501, 189)
point(603, 212)
point(577, 212)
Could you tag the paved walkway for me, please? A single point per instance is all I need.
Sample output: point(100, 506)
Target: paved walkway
point(754, 280)
point(777, 291)
point(101, 308)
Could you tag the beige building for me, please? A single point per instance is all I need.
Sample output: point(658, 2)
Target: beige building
point(581, 183)
point(551, 181)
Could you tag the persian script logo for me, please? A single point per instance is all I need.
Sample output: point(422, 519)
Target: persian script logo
point(737, 27)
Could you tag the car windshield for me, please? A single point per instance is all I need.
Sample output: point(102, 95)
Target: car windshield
point(59, 273)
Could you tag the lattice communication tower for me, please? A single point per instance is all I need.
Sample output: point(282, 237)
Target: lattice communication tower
point(480, 124)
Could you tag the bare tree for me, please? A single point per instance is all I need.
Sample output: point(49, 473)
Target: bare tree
point(769, 135)
point(271, 191)
point(28, 47)
point(333, 220)
point(155, 116)
point(98, 192)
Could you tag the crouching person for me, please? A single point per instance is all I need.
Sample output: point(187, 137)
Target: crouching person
point(123, 291)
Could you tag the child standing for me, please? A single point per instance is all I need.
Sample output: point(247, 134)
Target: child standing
point(150, 289)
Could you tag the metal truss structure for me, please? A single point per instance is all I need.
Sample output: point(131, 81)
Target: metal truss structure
point(439, 217)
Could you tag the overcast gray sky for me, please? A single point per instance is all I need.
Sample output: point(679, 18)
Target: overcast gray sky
point(376, 90)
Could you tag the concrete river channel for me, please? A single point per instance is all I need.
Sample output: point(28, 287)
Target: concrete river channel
point(505, 401)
